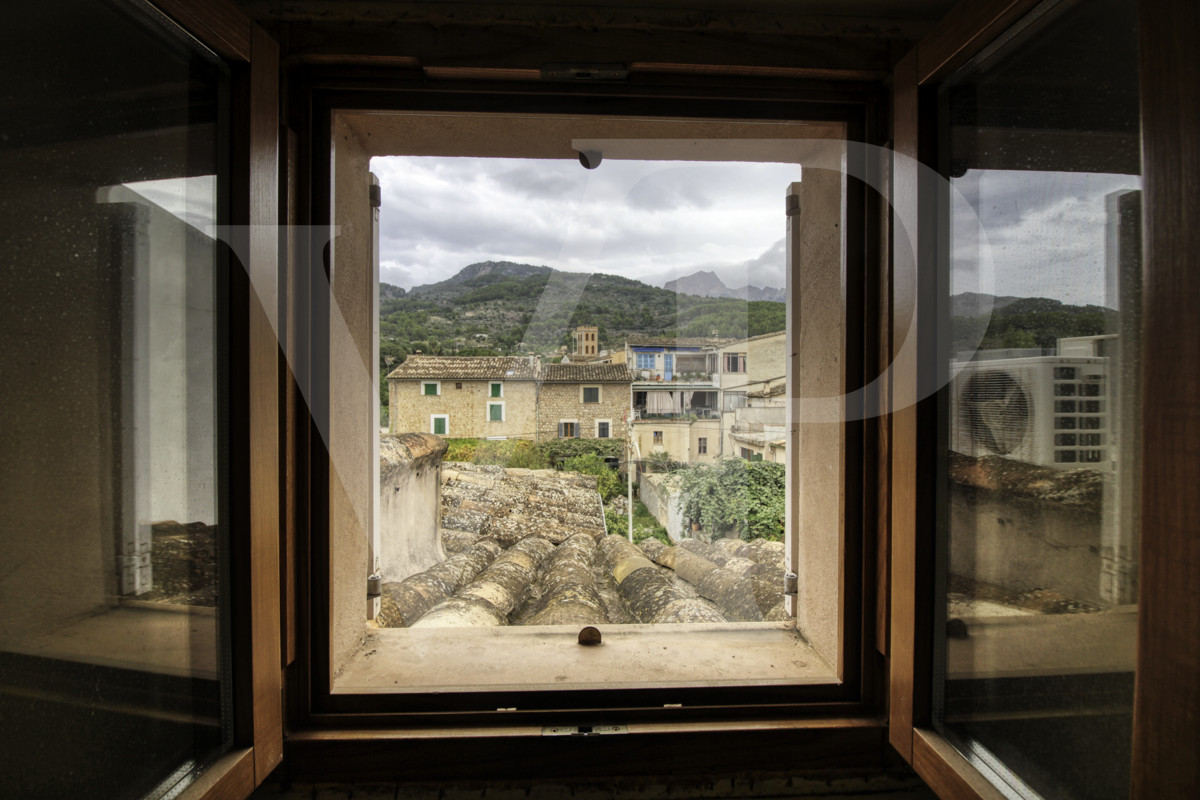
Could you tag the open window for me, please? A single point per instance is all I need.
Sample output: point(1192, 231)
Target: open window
point(734, 610)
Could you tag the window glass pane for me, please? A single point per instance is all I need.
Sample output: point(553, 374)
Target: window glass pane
point(591, 394)
point(1039, 492)
point(113, 591)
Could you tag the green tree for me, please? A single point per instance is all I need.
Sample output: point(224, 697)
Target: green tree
point(735, 495)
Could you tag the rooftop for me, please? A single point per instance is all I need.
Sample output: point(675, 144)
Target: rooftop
point(677, 341)
point(530, 547)
point(577, 373)
point(416, 367)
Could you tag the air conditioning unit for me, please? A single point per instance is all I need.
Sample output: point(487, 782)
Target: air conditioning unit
point(1045, 410)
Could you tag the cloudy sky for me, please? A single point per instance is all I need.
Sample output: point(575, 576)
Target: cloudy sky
point(1027, 234)
point(1032, 234)
point(653, 221)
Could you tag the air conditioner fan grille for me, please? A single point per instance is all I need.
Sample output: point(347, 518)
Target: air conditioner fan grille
point(995, 409)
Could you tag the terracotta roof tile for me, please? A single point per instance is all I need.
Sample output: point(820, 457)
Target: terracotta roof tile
point(509, 368)
point(586, 373)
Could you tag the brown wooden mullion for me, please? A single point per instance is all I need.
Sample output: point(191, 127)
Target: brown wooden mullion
point(1166, 720)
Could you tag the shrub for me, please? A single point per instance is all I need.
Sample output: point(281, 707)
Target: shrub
point(608, 483)
point(616, 522)
point(517, 453)
point(460, 449)
point(558, 450)
point(735, 495)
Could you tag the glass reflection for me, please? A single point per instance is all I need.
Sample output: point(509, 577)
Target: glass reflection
point(114, 678)
point(1039, 504)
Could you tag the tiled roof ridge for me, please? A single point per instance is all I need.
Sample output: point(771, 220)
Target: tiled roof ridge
point(418, 366)
point(572, 373)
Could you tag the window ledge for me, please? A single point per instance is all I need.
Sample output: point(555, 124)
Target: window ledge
point(402, 660)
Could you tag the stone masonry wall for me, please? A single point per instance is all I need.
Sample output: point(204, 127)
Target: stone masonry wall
point(564, 401)
point(410, 411)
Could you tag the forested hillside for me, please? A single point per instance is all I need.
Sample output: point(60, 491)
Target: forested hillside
point(1024, 322)
point(502, 308)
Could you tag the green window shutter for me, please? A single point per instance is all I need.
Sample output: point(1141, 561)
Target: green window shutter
point(496, 412)
point(495, 390)
point(439, 426)
point(591, 394)
point(429, 389)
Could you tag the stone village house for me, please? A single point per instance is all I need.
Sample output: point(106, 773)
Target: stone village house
point(586, 401)
point(507, 397)
point(475, 397)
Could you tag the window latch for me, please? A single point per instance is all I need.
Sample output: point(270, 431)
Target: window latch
point(584, 730)
point(584, 72)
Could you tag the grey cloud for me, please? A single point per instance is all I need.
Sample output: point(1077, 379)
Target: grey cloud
point(1036, 234)
point(440, 214)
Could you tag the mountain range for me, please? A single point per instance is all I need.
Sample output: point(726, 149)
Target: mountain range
point(709, 284)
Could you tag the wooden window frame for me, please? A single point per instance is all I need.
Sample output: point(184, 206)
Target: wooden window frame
point(756, 725)
point(1167, 681)
point(276, 609)
point(259, 387)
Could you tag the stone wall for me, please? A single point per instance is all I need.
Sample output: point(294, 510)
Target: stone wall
point(1022, 526)
point(409, 504)
point(564, 401)
point(662, 500)
point(411, 412)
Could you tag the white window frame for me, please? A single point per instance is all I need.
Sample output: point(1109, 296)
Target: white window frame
point(583, 395)
point(607, 422)
point(495, 396)
point(637, 360)
point(433, 424)
point(702, 445)
point(492, 403)
point(437, 388)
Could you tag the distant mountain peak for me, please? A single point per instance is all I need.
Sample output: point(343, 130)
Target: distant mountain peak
point(706, 283)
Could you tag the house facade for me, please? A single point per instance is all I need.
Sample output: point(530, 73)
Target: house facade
point(508, 397)
point(753, 397)
point(676, 386)
point(583, 401)
point(472, 397)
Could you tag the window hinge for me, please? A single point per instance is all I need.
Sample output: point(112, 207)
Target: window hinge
point(790, 584)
